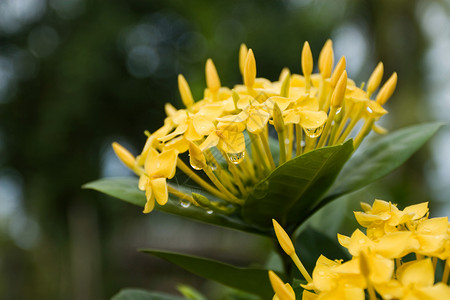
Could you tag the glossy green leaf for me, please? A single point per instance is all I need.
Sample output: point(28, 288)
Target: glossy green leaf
point(291, 191)
point(251, 280)
point(380, 158)
point(126, 189)
point(138, 294)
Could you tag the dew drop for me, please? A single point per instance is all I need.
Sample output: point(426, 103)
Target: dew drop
point(338, 110)
point(287, 141)
point(236, 158)
point(369, 110)
point(185, 203)
point(213, 166)
point(195, 164)
point(209, 211)
point(314, 132)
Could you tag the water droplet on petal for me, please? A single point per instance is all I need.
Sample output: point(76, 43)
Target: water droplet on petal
point(314, 132)
point(185, 203)
point(338, 110)
point(236, 158)
point(209, 211)
point(287, 141)
point(369, 110)
point(194, 164)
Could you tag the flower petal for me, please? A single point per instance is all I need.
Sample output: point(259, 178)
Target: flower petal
point(257, 120)
point(160, 192)
point(312, 119)
point(420, 273)
point(165, 164)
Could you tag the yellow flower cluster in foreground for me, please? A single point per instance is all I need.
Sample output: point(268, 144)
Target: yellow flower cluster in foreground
point(227, 132)
point(397, 258)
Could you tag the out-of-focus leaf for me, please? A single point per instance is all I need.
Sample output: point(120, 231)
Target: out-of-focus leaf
point(138, 294)
point(296, 285)
point(291, 190)
point(126, 189)
point(311, 243)
point(251, 280)
point(190, 293)
point(380, 158)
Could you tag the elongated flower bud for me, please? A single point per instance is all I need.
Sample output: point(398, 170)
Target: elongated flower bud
point(326, 58)
point(283, 292)
point(283, 238)
point(340, 67)
point(307, 60)
point(375, 79)
point(242, 57)
point(212, 78)
point(387, 90)
point(250, 70)
point(339, 92)
point(278, 121)
point(124, 155)
point(185, 91)
point(285, 85)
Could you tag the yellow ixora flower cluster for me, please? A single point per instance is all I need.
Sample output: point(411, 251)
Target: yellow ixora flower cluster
point(397, 258)
point(227, 132)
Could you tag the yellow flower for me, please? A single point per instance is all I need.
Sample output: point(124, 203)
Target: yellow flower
point(415, 280)
point(377, 264)
point(158, 167)
point(383, 217)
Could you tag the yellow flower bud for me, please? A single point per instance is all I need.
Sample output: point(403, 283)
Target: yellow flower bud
point(285, 85)
point(283, 292)
point(124, 155)
point(340, 67)
point(387, 89)
point(212, 78)
point(242, 57)
point(307, 60)
point(196, 157)
point(339, 92)
point(283, 238)
point(326, 58)
point(278, 121)
point(250, 70)
point(375, 79)
point(185, 91)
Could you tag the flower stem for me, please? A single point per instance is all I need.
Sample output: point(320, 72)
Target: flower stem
point(185, 169)
point(282, 144)
point(298, 139)
point(324, 135)
point(265, 142)
point(229, 196)
point(446, 272)
point(181, 195)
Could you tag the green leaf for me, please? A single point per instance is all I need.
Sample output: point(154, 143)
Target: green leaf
point(290, 192)
point(251, 280)
point(127, 190)
point(190, 293)
point(381, 158)
point(138, 294)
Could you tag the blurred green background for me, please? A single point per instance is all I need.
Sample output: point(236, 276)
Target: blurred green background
point(76, 75)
